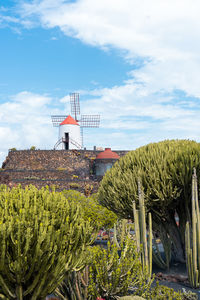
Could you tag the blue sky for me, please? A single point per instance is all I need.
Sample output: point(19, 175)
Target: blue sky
point(136, 63)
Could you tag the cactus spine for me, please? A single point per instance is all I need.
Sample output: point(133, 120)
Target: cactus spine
point(193, 242)
point(141, 233)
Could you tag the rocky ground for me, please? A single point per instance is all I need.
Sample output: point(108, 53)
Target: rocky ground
point(175, 278)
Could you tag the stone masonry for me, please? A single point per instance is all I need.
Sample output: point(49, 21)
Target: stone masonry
point(65, 169)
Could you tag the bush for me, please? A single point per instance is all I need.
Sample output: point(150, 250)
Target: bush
point(33, 148)
point(42, 236)
point(113, 272)
point(109, 274)
point(98, 215)
point(165, 172)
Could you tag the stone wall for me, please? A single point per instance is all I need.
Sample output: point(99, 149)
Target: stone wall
point(67, 169)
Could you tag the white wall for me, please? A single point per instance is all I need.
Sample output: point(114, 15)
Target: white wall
point(74, 135)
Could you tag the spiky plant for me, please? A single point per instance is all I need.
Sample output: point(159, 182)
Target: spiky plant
point(192, 238)
point(42, 235)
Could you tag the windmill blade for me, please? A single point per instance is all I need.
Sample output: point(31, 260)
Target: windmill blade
point(91, 121)
point(75, 105)
point(57, 119)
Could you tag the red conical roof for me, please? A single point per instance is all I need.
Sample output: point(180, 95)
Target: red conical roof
point(69, 121)
point(107, 154)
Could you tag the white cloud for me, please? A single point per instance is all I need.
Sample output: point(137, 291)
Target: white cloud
point(25, 121)
point(128, 119)
point(163, 34)
point(160, 36)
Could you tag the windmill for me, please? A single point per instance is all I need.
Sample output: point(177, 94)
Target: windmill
point(71, 136)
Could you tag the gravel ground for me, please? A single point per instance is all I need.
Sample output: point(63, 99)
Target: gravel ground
point(176, 270)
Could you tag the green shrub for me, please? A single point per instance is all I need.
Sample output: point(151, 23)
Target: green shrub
point(42, 236)
point(109, 274)
point(113, 272)
point(165, 171)
point(98, 215)
point(33, 148)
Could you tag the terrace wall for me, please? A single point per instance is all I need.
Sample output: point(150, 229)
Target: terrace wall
point(66, 169)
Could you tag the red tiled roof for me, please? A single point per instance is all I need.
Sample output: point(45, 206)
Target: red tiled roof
point(107, 154)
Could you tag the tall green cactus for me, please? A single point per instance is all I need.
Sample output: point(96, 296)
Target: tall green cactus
point(42, 235)
point(141, 233)
point(192, 242)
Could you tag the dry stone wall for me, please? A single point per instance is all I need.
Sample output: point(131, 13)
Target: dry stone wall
point(66, 169)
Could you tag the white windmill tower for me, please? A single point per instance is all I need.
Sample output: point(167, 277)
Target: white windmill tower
point(71, 129)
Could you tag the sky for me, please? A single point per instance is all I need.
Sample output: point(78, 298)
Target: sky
point(134, 62)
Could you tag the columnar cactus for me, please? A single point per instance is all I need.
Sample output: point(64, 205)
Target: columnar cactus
point(42, 236)
point(192, 241)
point(141, 233)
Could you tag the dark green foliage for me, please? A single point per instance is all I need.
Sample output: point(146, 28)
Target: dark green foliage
point(165, 171)
point(42, 236)
point(98, 215)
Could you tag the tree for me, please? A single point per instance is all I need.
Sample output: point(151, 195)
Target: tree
point(42, 236)
point(165, 172)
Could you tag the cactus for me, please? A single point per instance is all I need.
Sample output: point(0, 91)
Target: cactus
point(192, 242)
point(74, 286)
point(113, 272)
point(141, 233)
point(121, 230)
point(42, 236)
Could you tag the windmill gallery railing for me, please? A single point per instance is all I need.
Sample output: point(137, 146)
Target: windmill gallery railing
point(69, 140)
